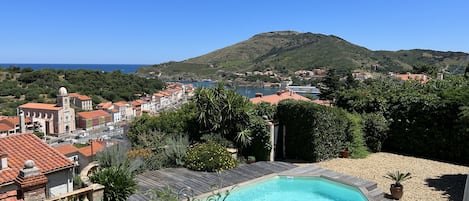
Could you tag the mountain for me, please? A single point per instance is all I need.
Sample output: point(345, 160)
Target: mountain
point(288, 51)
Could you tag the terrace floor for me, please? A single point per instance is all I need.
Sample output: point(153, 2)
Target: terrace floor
point(203, 182)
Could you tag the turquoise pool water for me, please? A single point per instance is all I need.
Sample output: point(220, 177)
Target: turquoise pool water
point(296, 189)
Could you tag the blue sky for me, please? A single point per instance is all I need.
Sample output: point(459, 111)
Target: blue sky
point(154, 31)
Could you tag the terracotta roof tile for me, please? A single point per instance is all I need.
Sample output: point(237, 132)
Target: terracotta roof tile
point(136, 103)
point(323, 102)
point(97, 146)
point(419, 77)
point(66, 149)
point(8, 175)
point(5, 127)
point(27, 146)
point(42, 106)
point(121, 103)
point(79, 96)
point(9, 196)
point(93, 114)
point(14, 120)
point(106, 105)
point(276, 98)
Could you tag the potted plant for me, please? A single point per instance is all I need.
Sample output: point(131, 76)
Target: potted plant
point(397, 190)
point(344, 153)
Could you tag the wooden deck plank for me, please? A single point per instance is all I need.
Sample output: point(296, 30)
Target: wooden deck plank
point(201, 182)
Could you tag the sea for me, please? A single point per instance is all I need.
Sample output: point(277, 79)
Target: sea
point(132, 68)
point(124, 68)
point(249, 92)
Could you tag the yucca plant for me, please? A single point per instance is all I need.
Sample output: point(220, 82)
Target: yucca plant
point(398, 177)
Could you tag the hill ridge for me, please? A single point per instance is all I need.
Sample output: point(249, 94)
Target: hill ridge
point(292, 50)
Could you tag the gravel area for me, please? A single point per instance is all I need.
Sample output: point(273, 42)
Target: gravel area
point(431, 180)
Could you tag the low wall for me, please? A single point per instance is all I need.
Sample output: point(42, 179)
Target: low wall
point(92, 192)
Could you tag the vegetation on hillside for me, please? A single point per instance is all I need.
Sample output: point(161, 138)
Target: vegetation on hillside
point(21, 85)
point(288, 51)
point(215, 116)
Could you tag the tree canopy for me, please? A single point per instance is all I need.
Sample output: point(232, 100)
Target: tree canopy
point(42, 85)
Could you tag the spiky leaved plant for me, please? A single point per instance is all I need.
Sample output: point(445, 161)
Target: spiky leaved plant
point(398, 177)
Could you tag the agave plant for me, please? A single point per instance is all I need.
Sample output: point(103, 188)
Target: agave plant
point(398, 177)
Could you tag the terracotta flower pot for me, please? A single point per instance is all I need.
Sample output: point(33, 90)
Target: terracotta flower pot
point(397, 191)
point(344, 153)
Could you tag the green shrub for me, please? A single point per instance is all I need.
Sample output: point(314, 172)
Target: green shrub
point(119, 182)
point(217, 138)
point(357, 146)
point(260, 144)
point(210, 157)
point(313, 132)
point(176, 148)
point(375, 127)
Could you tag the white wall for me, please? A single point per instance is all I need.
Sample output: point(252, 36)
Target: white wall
point(60, 182)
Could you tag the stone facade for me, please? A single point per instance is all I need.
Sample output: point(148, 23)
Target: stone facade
point(55, 119)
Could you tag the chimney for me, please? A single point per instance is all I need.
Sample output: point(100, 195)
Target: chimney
point(22, 122)
point(31, 183)
point(3, 160)
point(259, 95)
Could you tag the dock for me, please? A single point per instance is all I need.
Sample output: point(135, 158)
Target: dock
point(304, 89)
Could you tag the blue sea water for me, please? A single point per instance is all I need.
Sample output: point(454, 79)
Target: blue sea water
point(296, 189)
point(124, 68)
point(249, 92)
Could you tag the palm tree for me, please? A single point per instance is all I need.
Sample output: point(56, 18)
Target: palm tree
point(223, 111)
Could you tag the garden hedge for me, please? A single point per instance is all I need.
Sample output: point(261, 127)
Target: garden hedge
point(313, 132)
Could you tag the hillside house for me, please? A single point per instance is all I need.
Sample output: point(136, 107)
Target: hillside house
point(125, 109)
point(422, 78)
point(82, 102)
point(93, 119)
point(26, 153)
point(88, 153)
point(71, 152)
point(13, 125)
point(284, 95)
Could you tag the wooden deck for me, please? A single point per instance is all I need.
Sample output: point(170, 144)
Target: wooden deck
point(202, 182)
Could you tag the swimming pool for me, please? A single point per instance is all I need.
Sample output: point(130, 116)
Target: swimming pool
point(286, 188)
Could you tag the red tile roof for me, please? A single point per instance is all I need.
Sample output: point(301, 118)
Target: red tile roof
point(79, 96)
point(5, 127)
point(66, 149)
point(42, 106)
point(9, 196)
point(121, 103)
point(276, 98)
point(14, 120)
point(93, 114)
point(106, 105)
point(408, 76)
point(97, 146)
point(323, 102)
point(27, 146)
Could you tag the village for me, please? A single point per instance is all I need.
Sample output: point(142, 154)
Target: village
point(71, 140)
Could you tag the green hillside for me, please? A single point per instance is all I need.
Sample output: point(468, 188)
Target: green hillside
point(287, 51)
